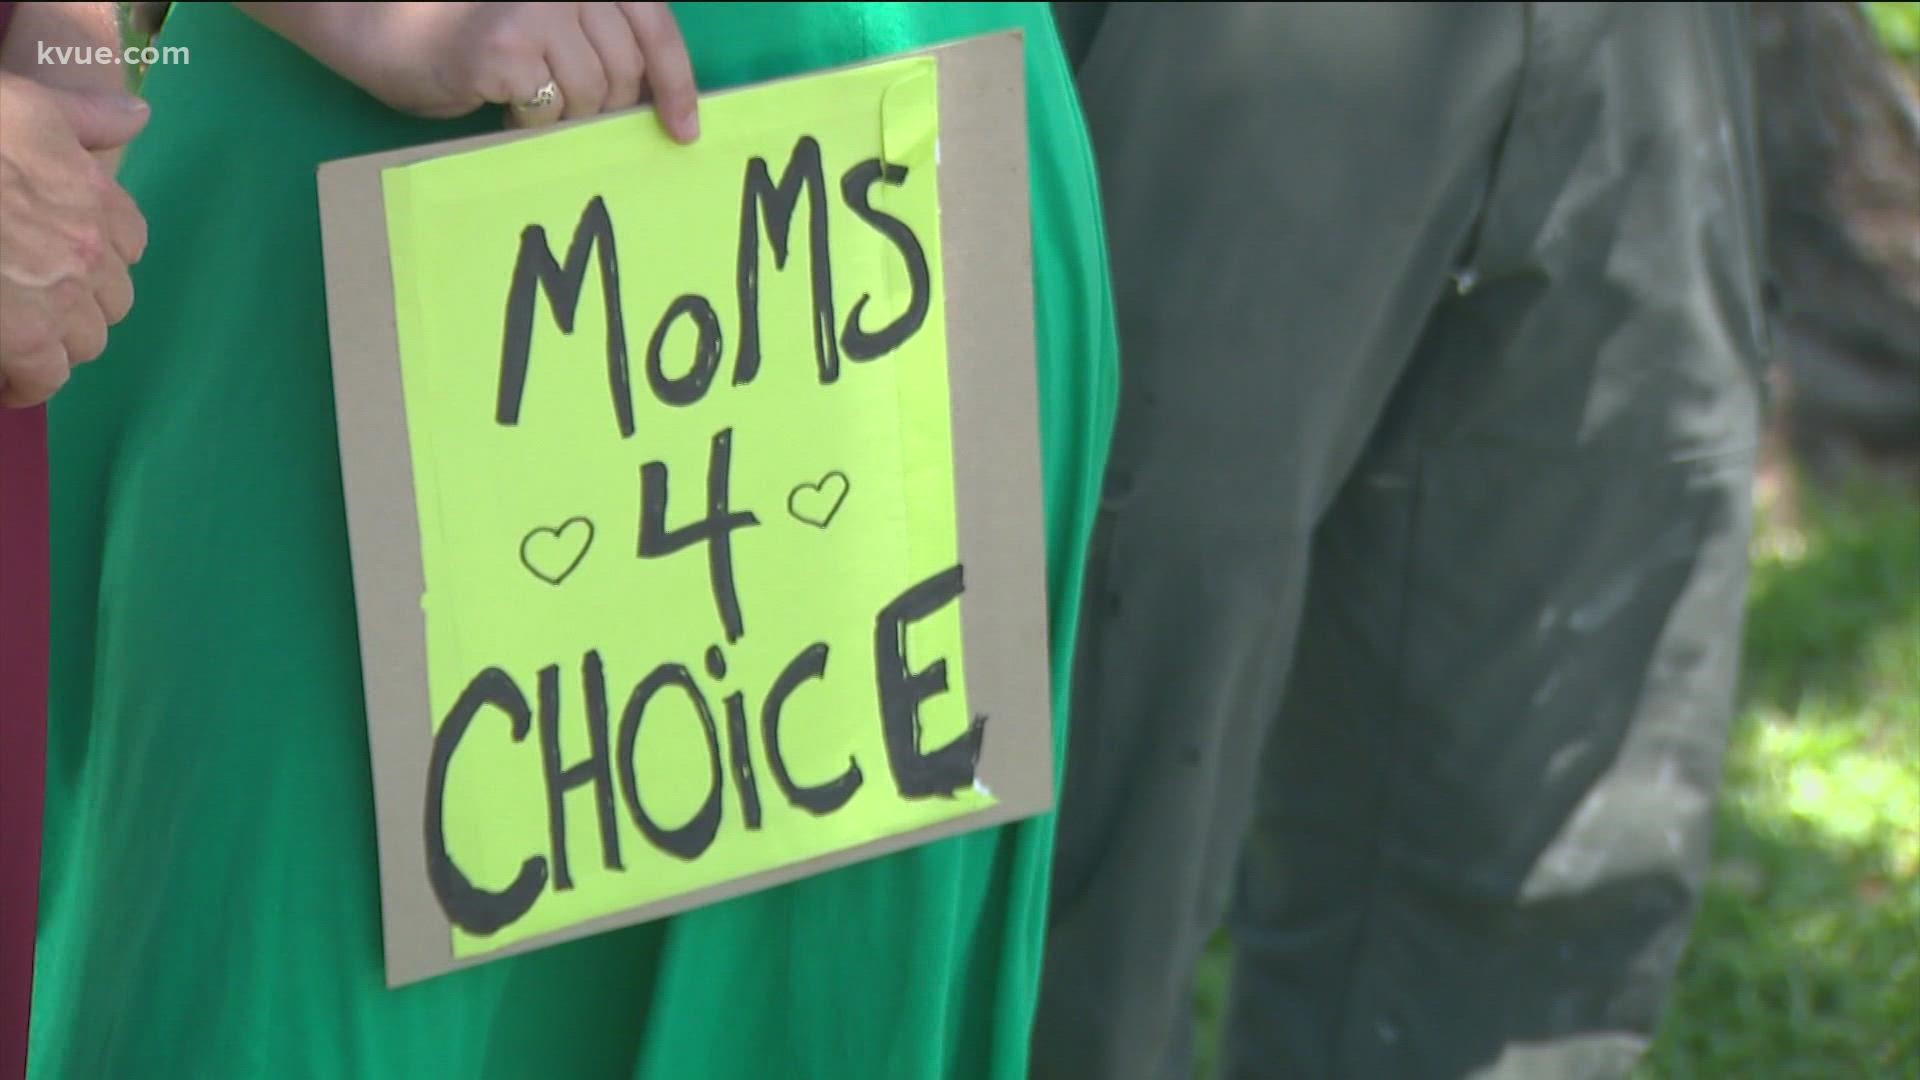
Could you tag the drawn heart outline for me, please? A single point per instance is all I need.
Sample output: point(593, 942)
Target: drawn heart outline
point(833, 488)
point(543, 549)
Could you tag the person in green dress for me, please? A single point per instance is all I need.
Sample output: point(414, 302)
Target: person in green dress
point(211, 903)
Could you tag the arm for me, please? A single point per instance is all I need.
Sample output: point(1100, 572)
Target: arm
point(67, 231)
point(82, 26)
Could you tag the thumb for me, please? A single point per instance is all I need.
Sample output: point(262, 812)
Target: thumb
point(103, 121)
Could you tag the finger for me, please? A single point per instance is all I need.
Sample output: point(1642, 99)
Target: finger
point(535, 100)
point(32, 378)
point(126, 226)
point(113, 293)
point(619, 53)
point(102, 121)
point(86, 333)
point(669, 71)
point(576, 67)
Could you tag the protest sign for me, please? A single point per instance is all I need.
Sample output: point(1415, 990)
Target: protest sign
point(693, 497)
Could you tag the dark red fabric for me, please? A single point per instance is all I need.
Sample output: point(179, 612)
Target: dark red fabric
point(23, 704)
point(23, 713)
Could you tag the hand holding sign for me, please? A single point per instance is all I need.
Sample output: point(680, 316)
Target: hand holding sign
point(544, 61)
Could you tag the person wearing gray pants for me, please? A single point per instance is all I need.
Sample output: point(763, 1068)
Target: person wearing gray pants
point(1413, 615)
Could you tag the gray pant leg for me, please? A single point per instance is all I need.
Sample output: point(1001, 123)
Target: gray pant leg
point(1485, 810)
point(1287, 189)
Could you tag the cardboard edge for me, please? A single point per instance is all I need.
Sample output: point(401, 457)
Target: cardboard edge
point(987, 237)
point(390, 624)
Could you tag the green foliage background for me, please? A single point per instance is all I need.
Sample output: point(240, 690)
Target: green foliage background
point(1899, 27)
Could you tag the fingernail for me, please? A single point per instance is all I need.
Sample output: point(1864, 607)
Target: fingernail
point(130, 103)
point(689, 126)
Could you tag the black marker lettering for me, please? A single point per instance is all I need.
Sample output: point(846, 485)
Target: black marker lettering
point(692, 386)
point(855, 189)
point(689, 840)
point(535, 269)
point(742, 757)
point(716, 528)
point(778, 203)
point(469, 907)
point(821, 798)
point(597, 769)
point(918, 774)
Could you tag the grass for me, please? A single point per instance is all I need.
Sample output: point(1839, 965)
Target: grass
point(1805, 962)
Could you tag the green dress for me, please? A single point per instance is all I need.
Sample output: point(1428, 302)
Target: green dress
point(210, 903)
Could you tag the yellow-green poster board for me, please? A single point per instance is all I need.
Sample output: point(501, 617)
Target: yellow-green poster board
point(693, 495)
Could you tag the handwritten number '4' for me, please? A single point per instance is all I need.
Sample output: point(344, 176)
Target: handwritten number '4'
point(716, 529)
